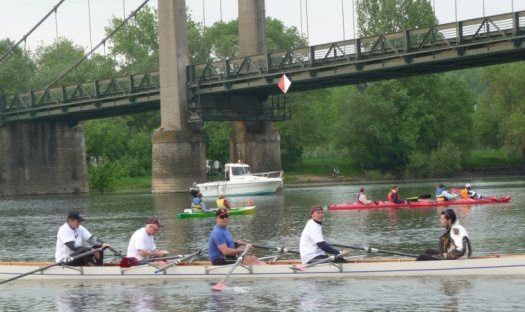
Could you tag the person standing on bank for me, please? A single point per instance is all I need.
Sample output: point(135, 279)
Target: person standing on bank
point(312, 246)
point(72, 238)
point(453, 244)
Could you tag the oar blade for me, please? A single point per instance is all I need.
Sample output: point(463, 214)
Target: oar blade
point(220, 286)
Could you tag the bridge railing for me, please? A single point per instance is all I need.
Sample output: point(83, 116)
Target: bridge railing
point(66, 96)
point(460, 36)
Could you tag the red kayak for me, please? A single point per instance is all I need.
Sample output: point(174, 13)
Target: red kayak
point(422, 203)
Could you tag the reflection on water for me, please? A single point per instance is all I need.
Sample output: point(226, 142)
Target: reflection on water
point(28, 228)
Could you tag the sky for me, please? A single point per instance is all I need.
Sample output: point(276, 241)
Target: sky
point(324, 23)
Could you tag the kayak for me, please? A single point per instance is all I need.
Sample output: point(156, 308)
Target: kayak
point(508, 265)
point(421, 203)
point(188, 213)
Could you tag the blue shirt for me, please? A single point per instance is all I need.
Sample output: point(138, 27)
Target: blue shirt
point(219, 236)
point(439, 190)
point(198, 201)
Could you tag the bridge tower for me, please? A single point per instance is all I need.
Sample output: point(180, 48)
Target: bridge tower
point(178, 156)
point(256, 143)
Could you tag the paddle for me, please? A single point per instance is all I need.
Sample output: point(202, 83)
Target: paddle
point(222, 284)
point(178, 261)
point(374, 250)
point(128, 262)
point(278, 249)
point(61, 262)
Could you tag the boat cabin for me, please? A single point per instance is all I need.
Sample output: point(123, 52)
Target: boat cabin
point(234, 170)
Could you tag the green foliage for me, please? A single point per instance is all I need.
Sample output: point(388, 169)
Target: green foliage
point(217, 140)
point(103, 177)
point(387, 16)
point(495, 159)
point(291, 152)
point(16, 69)
point(445, 161)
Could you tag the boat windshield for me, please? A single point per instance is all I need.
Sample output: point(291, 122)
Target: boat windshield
point(237, 171)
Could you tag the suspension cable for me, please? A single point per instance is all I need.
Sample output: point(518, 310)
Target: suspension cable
point(103, 42)
point(90, 32)
point(307, 28)
point(56, 26)
point(301, 15)
point(343, 15)
point(353, 16)
point(54, 9)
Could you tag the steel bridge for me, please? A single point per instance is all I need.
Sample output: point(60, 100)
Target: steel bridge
point(470, 43)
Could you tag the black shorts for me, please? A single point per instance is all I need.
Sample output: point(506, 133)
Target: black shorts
point(224, 261)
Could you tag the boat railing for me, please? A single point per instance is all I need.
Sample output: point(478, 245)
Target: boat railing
point(269, 174)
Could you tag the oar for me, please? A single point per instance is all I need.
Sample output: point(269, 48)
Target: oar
point(61, 262)
point(178, 261)
point(116, 252)
point(374, 250)
point(222, 284)
point(127, 262)
point(278, 249)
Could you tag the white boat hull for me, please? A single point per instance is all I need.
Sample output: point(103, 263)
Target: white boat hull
point(241, 187)
point(496, 265)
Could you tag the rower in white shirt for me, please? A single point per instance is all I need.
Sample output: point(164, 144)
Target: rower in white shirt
point(312, 245)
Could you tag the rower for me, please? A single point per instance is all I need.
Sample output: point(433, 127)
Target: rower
point(71, 240)
point(222, 249)
point(453, 244)
point(312, 245)
point(142, 242)
point(223, 202)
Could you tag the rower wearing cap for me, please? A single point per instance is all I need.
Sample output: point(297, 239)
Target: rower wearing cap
point(222, 249)
point(71, 240)
point(312, 245)
point(142, 242)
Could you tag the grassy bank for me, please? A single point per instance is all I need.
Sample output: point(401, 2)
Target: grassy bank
point(321, 169)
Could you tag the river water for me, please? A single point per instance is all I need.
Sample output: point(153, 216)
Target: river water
point(28, 227)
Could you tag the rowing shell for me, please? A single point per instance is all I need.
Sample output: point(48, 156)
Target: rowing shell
point(209, 214)
point(421, 203)
point(378, 267)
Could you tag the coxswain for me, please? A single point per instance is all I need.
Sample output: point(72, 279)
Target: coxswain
point(453, 244)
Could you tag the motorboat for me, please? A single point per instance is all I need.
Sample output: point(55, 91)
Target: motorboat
point(239, 181)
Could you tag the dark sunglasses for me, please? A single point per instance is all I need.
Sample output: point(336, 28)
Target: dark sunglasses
point(224, 216)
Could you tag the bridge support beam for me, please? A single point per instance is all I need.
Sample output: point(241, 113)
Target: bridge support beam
point(179, 152)
point(42, 158)
point(255, 143)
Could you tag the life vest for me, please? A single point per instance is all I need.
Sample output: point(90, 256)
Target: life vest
point(196, 206)
point(464, 193)
point(220, 203)
point(391, 196)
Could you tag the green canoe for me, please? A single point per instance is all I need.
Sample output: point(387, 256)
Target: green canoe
point(210, 214)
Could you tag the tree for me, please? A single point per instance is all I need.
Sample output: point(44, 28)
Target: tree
point(16, 69)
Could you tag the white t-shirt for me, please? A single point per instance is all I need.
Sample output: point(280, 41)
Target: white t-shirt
point(457, 232)
point(312, 234)
point(140, 240)
point(66, 234)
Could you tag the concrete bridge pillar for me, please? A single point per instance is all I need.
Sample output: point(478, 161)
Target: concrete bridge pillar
point(255, 143)
point(42, 158)
point(178, 151)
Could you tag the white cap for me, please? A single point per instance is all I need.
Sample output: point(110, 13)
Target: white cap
point(468, 185)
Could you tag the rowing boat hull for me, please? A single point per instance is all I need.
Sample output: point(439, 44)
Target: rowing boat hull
point(494, 265)
point(421, 203)
point(232, 212)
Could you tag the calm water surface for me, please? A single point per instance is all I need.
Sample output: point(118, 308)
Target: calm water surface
point(28, 227)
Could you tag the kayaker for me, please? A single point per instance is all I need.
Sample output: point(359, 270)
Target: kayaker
point(222, 249)
point(312, 245)
point(443, 194)
point(453, 244)
point(471, 193)
point(393, 196)
point(197, 204)
point(361, 197)
point(71, 240)
point(142, 242)
point(223, 202)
